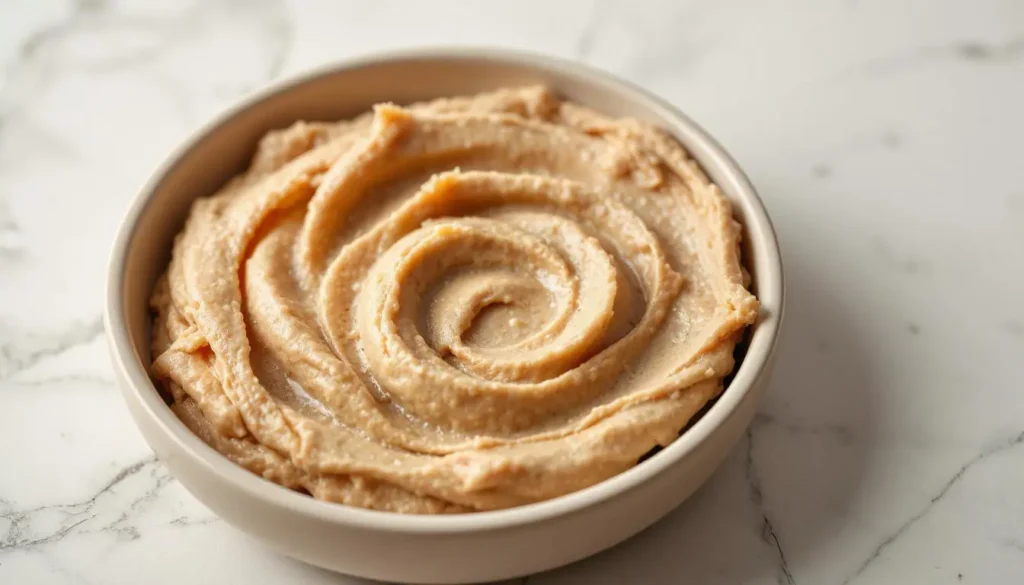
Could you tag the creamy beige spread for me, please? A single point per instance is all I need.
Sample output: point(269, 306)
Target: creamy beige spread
point(468, 304)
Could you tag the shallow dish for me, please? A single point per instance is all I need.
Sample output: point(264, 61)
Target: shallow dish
point(426, 549)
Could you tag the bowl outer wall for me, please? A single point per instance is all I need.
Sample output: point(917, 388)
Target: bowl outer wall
point(470, 557)
point(476, 547)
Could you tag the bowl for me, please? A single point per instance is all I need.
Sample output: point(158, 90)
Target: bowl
point(476, 547)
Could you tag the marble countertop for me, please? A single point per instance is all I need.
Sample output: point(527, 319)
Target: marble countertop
point(885, 138)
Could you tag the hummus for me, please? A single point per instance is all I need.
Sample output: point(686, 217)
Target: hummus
point(468, 304)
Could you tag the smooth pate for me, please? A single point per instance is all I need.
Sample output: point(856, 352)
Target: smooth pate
point(468, 304)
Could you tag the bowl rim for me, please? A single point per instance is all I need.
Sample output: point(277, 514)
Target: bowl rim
point(771, 292)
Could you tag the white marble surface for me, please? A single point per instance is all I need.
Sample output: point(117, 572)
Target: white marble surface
point(885, 137)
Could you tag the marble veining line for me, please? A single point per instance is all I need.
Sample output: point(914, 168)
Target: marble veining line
point(120, 525)
point(33, 137)
point(23, 353)
point(91, 16)
point(890, 140)
point(33, 68)
point(6, 221)
point(1014, 328)
point(98, 18)
point(186, 521)
point(284, 37)
point(588, 36)
point(86, 379)
point(768, 534)
point(46, 54)
point(841, 434)
point(892, 538)
point(10, 245)
point(971, 51)
point(899, 261)
point(78, 515)
point(1012, 543)
point(56, 565)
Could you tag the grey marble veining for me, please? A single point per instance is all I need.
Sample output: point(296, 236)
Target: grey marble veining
point(883, 136)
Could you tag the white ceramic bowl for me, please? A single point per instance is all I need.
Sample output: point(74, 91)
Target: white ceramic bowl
point(395, 547)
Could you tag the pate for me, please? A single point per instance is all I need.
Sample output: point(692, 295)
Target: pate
point(467, 304)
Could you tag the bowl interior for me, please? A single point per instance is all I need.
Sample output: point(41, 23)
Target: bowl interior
point(223, 148)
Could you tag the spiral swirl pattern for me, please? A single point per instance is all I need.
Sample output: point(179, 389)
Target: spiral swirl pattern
point(467, 304)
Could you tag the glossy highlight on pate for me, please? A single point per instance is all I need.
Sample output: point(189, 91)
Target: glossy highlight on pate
point(468, 304)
